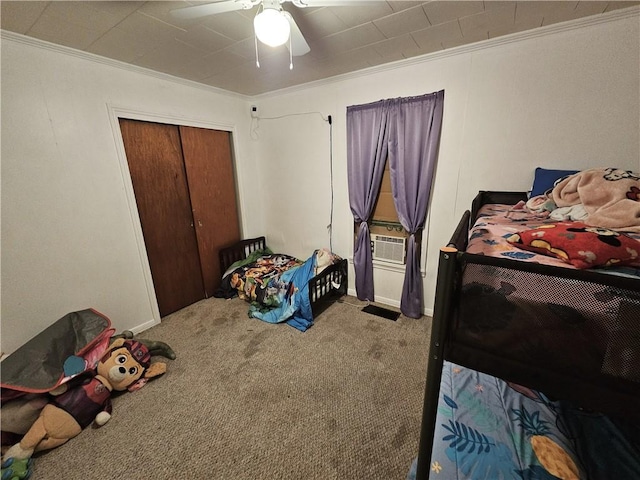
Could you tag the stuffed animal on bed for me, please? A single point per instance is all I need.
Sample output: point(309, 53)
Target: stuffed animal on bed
point(125, 366)
point(324, 258)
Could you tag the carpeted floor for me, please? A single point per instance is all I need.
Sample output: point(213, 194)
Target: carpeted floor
point(249, 400)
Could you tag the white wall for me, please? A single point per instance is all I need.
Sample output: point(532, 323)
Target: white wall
point(70, 236)
point(70, 233)
point(567, 99)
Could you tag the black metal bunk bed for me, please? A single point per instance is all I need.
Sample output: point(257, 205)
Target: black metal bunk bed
point(559, 348)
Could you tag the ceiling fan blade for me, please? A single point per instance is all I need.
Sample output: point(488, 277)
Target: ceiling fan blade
point(299, 45)
point(335, 3)
point(197, 11)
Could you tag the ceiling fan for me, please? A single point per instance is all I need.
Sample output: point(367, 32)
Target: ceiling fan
point(273, 26)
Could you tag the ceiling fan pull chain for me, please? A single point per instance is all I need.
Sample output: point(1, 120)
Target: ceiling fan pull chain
point(257, 59)
point(255, 35)
point(290, 55)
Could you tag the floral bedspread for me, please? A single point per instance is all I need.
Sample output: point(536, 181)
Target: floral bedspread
point(492, 429)
point(489, 429)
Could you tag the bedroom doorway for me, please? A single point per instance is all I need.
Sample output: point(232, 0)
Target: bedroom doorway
point(184, 185)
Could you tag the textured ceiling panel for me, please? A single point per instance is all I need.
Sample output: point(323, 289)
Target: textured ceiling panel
point(220, 50)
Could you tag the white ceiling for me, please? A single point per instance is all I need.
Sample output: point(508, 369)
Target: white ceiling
point(219, 50)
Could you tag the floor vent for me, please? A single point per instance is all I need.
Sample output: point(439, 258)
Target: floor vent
point(381, 312)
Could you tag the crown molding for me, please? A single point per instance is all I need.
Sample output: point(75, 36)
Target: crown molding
point(37, 43)
point(615, 15)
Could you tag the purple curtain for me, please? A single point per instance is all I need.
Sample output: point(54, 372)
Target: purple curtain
point(414, 135)
point(367, 138)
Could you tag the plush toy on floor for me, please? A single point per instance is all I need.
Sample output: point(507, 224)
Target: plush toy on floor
point(125, 366)
point(16, 469)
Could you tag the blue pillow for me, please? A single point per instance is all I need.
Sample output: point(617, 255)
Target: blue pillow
point(544, 179)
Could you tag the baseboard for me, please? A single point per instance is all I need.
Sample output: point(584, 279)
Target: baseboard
point(144, 326)
point(390, 302)
point(140, 328)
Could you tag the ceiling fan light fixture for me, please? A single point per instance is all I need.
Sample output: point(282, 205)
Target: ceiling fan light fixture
point(272, 27)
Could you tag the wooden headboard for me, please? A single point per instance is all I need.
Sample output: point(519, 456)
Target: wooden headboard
point(239, 251)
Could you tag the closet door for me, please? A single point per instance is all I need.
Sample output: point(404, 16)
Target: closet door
point(209, 167)
point(156, 164)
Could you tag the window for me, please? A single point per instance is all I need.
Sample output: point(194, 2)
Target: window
point(387, 234)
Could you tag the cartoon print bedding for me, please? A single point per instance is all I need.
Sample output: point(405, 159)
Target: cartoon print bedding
point(259, 280)
point(276, 285)
point(497, 223)
point(487, 428)
point(590, 219)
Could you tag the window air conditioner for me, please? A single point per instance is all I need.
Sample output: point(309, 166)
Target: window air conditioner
point(389, 249)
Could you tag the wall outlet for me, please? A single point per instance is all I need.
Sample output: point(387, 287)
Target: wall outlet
point(254, 111)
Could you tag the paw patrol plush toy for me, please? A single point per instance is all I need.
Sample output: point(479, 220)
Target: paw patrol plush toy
point(125, 366)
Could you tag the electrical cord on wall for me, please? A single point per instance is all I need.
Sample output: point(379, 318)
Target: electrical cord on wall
point(358, 305)
point(253, 128)
point(254, 136)
point(330, 226)
point(326, 119)
point(255, 120)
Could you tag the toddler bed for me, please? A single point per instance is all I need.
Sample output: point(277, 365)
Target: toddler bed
point(566, 323)
point(279, 287)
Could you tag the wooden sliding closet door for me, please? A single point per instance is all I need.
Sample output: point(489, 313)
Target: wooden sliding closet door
point(156, 164)
point(207, 158)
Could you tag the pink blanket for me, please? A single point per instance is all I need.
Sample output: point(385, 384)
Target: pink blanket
point(497, 222)
point(610, 196)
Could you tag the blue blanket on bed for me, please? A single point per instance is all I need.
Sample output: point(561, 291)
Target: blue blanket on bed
point(489, 429)
point(295, 308)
